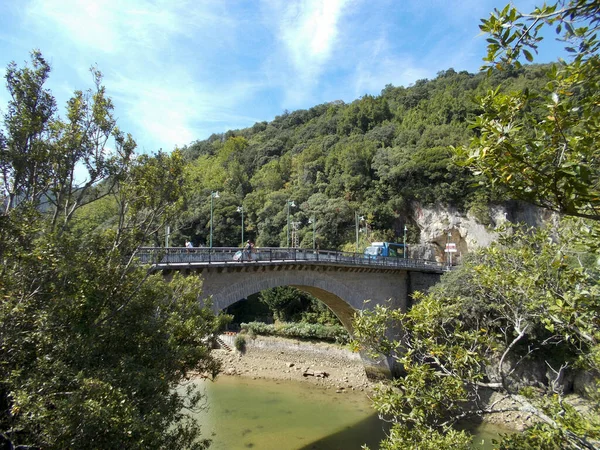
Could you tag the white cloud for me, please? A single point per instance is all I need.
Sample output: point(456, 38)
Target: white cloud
point(156, 56)
point(88, 24)
point(173, 109)
point(136, 28)
point(308, 31)
point(372, 78)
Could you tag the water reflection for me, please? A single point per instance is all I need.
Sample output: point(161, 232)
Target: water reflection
point(368, 431)
point(267, 415)
point(274, 415)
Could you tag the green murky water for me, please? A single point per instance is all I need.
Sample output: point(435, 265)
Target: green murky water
point(263, 414)
point(276, 415)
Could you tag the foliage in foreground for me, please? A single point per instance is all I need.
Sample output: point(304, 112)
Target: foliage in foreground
point(533, 297)
point(524, 299)
point(543, 147)
point(92, 346)
point(301, 330)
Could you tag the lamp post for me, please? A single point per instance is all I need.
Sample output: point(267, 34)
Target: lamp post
point(240, 209)
point(449, 255)
point(405, 230)
point(314, 223)
point(362, 219)
point(357, 219)
point(213, 195)
point(289, 203)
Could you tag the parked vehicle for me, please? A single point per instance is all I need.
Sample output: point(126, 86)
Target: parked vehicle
point(387, 249)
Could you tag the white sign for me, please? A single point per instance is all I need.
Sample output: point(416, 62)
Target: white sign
point(450, 248)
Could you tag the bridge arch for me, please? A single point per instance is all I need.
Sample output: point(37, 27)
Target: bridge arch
point(343, 291)
point(342, 300)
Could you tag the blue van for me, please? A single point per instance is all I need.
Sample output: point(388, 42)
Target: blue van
point(387, 249)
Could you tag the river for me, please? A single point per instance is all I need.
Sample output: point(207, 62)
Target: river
point(284, 415)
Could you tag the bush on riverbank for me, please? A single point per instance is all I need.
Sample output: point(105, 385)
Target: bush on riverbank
point(330, 333)
point(240, 343)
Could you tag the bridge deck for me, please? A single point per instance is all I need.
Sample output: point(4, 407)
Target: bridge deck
point(179, 258)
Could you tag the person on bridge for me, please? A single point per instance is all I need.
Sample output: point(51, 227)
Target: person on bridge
point(248, 250)
point(188, 244)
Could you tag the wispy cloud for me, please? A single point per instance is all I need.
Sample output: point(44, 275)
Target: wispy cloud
point(154, 55)
point(308, 32)
point(173, 109)
point(90, 24)
point(113, 26)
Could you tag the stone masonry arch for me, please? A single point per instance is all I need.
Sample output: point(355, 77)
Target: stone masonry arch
point(344, 290)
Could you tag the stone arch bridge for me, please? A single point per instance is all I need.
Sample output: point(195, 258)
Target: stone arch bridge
point(343, 281)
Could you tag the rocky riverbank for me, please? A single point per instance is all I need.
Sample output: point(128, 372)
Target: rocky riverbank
point(326, 365)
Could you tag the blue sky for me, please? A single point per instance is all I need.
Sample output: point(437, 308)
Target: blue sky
point(180, 70)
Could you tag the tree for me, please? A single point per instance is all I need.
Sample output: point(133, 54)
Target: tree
point(23, 151)
point(544, 148)
point(508, 305)
point(534, 296)
point(93, 347)
point(40, 152)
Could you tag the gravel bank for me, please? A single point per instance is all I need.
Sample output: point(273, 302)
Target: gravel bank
point(327, 365)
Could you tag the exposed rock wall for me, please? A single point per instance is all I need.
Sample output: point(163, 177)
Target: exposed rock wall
point(441, 224)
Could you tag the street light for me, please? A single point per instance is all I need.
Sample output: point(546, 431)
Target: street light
point(450, 250)
point(405, 230)
point(289, 203)
point(357, 219)
point(213, 195)
point(314, 223)
point(240, 209)
point(366, 228)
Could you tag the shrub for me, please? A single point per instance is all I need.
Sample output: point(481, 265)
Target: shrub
point(331, 333)
point(240, 343)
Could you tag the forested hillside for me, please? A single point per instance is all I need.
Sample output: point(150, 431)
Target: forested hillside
point(373, 157)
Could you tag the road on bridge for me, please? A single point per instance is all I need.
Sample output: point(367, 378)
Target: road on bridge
point(163, 258)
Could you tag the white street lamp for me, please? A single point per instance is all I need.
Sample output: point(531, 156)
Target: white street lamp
point(362, 219)
point(289, 203)
point(213, 195)
point(240, 209)
point(314, 224)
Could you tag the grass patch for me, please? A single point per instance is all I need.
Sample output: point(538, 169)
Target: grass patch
point(301, 330)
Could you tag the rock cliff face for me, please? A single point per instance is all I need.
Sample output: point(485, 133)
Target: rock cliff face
point(439, 225)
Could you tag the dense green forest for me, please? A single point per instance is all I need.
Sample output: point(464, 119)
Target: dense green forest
point(374, 156)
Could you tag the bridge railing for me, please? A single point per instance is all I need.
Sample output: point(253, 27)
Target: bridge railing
point(219, 255)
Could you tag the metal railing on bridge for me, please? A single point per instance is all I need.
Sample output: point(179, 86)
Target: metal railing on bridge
point(164, 257)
